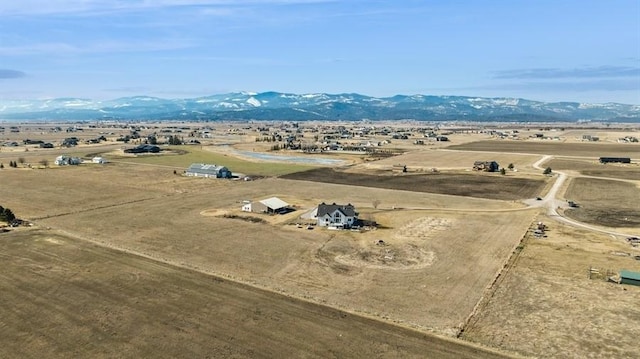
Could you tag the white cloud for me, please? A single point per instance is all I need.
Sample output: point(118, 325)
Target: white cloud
point(60, 48)
point(90, 7)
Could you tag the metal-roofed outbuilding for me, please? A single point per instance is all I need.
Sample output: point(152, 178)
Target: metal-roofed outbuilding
point(629, 277)
point(208, 171)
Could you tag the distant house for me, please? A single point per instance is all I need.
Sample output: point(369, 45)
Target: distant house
point(336, 215)
point(208, 171)
point(67, 160)
point(615, 160)
point(269, 205)
point(99, 160)
point(143, 149)
point(487, 166)
point(628, 277)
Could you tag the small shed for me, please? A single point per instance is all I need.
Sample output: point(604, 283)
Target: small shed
point(628, 277)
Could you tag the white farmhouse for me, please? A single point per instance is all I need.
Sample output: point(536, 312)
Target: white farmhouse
point(99, 160)
point(65, 160)
point(336, 215)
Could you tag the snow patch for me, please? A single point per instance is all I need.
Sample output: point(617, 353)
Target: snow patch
point(254, 102)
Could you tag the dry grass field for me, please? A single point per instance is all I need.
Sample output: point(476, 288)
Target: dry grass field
point(67, 298)
point(629, 171)
point(482, 185)
point(425, 160)
point(547, 307)
point(557, 148)
point(318, 264)
point(343, 269)
point(129, 259)
point(605, 202)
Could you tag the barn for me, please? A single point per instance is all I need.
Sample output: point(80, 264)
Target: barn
point(615, 160)
point(208, 171)
point(628, 277)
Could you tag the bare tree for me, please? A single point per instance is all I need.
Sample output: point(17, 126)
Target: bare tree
point(44, 163)
point(375, 203)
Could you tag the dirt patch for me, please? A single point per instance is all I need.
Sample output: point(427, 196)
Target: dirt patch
point(424, 227)
point(479, 185)
point(383, 256)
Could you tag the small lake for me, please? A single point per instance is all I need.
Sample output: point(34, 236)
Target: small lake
point(297, 159)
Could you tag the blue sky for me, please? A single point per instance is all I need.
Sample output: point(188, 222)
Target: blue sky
point(586, 51)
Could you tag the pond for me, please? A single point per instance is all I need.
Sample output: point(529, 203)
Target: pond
point(296, 159)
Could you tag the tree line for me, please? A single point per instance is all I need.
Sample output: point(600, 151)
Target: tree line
point(6, 215)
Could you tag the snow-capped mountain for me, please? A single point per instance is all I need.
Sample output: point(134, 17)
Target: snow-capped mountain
point(314, 106)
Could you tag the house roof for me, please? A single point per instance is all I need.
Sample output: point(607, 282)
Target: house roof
point(274, 203)
point(204, 168)
point(348, 210)
point(629, 275)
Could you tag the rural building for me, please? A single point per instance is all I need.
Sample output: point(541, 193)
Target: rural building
point(628, 277)
point(269, 205)
point(208, 171)
point(67, 160)
point(615, 160)
point(336, 215)
point(143, 149)
point(99, 160)
point(487, 166)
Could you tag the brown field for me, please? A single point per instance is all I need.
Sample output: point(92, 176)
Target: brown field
point(556, 148)
point(547, 307)
point(596, 169)
point(343, 269)
point(483, 185)
point(424, 160)
point(67, 298)
point(605, 202)
point(131, 260)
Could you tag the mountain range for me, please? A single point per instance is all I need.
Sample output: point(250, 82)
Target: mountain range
point(316, 106)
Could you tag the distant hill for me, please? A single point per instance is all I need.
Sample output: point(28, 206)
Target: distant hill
point(317, 106)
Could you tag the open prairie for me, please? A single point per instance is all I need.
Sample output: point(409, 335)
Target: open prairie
point(64, 298)
point(453, 253)
point(425, 160)
point(629, 171)
point(546, 305)
point(605, 202)
point(450, 263)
